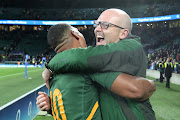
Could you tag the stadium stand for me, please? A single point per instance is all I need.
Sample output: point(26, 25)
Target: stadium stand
point(146, 10)
point(155, 38)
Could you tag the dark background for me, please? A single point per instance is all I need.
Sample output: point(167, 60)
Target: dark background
point(76, 3)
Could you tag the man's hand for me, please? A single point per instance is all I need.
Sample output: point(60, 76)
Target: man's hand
point(43, 102)
point(46, 74)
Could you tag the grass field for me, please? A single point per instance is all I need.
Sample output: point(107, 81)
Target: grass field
point(165, 102)
point(13, 83)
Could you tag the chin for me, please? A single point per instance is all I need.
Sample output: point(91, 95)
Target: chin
point(100, 43)
point(97, 44)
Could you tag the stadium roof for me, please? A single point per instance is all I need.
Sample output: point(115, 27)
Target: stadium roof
point(72, 3)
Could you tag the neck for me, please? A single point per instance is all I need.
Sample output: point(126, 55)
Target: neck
point(61, 47)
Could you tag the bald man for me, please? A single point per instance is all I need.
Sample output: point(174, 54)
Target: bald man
point(115, 20)
point(112, 26)
point(125, 56)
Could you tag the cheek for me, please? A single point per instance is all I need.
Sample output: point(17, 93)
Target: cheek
point(111, 37)
point(83, 43)
point(95, 31)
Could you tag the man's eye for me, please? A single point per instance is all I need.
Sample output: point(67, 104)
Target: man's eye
point(106, 25)
point(103, 24)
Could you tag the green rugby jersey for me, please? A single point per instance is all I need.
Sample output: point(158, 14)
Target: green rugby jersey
point(126, 56)
point(74, 97)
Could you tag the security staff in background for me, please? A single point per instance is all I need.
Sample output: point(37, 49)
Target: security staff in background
point(161, 70)
point(176, 66)
point(168, 69)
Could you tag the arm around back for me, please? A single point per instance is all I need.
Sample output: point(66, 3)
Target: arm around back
point(133, 87)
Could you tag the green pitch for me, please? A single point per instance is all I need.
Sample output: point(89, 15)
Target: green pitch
point(13, 83)
point(165, 101)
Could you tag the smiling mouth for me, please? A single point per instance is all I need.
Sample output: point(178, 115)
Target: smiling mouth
point(100, 39)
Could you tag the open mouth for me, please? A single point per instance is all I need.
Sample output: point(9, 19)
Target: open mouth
point(100, 39)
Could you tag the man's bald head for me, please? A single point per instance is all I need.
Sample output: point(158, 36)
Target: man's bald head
point(119, 17)
point(118, 26)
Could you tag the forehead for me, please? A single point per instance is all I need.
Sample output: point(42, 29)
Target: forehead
point(109, 18)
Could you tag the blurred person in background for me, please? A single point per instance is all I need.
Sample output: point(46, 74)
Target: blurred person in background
point(161, 70)
point(152, 66)
point(168, 69)
point(3, 58)
point(178, 57)
point(176, 66)
point(174, 54)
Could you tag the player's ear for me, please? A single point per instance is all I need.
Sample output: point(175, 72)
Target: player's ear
point(74, 34)
point(123, 34)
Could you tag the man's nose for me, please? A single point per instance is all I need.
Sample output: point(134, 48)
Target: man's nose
point(98, 28)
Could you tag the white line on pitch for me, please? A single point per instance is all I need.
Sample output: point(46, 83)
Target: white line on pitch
point(19, 73)
point(15, 100)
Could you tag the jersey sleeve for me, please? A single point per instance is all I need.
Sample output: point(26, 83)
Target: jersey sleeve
point(105, 79)
point(97, 59)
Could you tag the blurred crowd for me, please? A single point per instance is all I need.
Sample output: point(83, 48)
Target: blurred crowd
point(17, 43)
point(161, 40)
point(160, 8)
point(161, 56)
point(147, 10)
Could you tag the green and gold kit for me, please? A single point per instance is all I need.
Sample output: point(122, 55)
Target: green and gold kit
point(103, 64)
